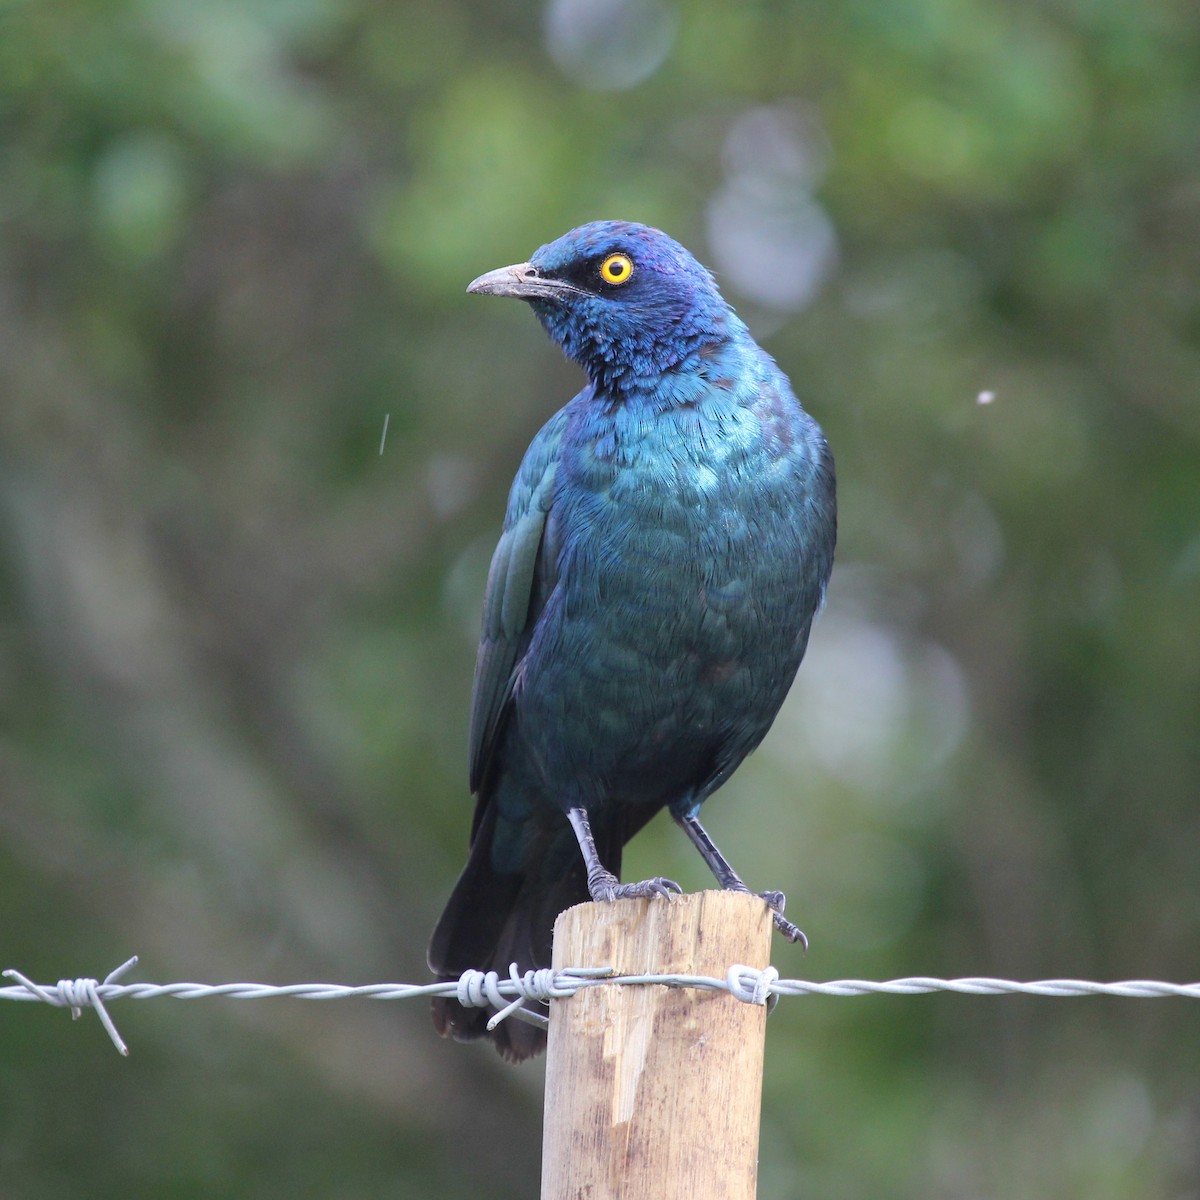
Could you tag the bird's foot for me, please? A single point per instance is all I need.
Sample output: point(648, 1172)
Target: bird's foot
point(604, 886)
point(793, 933)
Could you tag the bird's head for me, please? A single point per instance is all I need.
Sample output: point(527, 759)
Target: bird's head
point(625, 301)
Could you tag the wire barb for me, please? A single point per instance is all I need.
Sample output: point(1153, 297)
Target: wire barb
point(78, 994)
point(479, 989)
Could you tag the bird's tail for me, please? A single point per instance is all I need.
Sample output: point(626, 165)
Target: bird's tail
point(494, 918)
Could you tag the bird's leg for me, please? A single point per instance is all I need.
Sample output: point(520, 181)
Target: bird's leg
point(602, 883)
point(731, 881)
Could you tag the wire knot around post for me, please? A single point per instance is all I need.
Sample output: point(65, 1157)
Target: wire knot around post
point(751, 985)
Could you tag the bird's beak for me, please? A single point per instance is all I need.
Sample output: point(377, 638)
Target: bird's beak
point(523, 281)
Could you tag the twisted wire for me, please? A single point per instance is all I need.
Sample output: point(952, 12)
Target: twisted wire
point(510, 996)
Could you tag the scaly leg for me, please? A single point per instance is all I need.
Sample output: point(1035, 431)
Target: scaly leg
point(603, 884)
point(731, 881)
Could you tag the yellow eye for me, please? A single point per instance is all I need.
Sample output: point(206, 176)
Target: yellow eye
point(616, 268)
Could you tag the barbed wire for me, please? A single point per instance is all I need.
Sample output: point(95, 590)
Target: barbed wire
point(483, 989)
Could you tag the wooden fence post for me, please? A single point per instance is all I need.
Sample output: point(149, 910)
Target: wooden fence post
point(655, 1092)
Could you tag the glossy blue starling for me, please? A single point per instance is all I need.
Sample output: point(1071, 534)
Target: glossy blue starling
point(668, 541)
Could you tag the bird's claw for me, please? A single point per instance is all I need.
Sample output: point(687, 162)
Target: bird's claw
point(604, 890)
point(793, 933)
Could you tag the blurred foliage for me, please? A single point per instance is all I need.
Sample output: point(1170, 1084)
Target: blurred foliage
point(236, 641)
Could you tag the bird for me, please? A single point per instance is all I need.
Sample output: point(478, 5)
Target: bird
point(667, 543)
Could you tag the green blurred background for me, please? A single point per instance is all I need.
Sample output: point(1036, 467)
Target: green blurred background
point(236, 641)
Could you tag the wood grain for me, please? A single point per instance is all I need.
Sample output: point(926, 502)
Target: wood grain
point(655, 1092)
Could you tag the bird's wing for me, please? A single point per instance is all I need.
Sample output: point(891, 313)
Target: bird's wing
point(522, 575)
